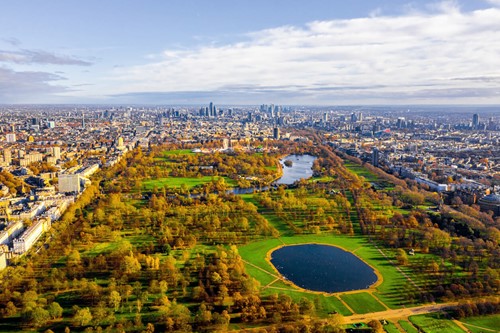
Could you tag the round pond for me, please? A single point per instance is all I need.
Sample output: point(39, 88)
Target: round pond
point(323, 268)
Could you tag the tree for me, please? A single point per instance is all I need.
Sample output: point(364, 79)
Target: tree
point(336, 320)
point(376, 326)
point(401, 257)
point(306, 306)
point(55, 310)
point(82, 317)
point(130, 264)
point(38, 316)
point(114, 300)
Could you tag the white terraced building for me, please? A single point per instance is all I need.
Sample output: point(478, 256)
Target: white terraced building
point(31, 235)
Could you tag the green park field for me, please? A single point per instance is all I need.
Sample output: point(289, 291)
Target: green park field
point(387, 291)
point(433, 323)
point(482, 324)
point(407, 326)
point(190, 182)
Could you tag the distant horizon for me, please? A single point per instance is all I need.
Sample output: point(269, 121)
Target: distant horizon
point(255, 105)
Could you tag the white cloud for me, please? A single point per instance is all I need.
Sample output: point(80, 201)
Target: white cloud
point(390, 57)
point(494, 2)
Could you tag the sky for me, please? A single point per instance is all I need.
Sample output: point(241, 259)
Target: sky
point(314, 52)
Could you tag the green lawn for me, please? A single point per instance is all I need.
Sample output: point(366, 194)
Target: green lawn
point(391, 328)
point(389, 292)
point(178, 181)
point(178, 152)
point(324, 179)
point(361, 171)
point(101, 248)
point(408, 327)
point(362, 303)
point(324, 304)
point(488, 322)
point(432, 323)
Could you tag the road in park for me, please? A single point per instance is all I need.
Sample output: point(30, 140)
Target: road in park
point(399, 313)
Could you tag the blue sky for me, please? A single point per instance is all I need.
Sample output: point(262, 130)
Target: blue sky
point(250, 52)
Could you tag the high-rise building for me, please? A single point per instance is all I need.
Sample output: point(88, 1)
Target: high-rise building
point(475, 120)
point(276, 133)
point(375, 157)
point(56, 151)
point(354, 118)
point(401, 123)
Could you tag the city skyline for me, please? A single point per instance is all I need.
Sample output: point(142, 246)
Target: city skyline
point(362, 53)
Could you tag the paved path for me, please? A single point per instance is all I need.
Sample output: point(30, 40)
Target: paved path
point(399, 269)
point(249, 263)
point(461, 325)
point(398, 313)
point(464, 325)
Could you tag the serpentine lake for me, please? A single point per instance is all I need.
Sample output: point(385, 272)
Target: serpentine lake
point(322, 268)
point(301, 168)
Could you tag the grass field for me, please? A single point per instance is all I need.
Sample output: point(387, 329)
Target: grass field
point(324, 179)
point(408, 327)
point(482, 323)
point(432, 323)
point(389, 292)
point(178, 181)
point(178, 152)
point(360, 171)
point(391, 328)
point(362, 303)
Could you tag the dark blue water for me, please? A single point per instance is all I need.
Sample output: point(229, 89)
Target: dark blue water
point(301, 168)
point(322, 268)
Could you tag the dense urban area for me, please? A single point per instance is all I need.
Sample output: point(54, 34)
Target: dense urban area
point(160, 219)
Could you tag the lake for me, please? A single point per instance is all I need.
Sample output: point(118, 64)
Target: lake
point(301, 168)
point(323, 268)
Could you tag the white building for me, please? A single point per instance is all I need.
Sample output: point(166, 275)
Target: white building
point(7, 156)
point(90, 170)
point(11, 137)
point(11, 232)
point(69, 183)
point(34, 211)
point(31, 235)
point(56, 152)
point(30, 158)
point(3, 260)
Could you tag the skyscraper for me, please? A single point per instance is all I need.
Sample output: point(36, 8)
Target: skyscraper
point(354, 118)
point(375, 157)
point(276, 133)
point(475, 120)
